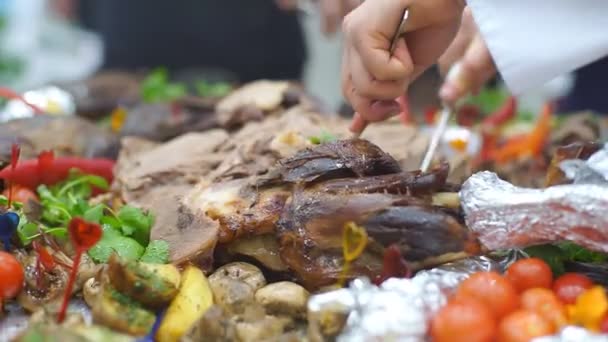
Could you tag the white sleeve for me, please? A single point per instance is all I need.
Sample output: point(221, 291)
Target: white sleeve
point(533, 41)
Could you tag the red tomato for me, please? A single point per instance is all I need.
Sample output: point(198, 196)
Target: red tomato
point(523, 326)
point(11, 276)
point(493, 290)
point(545, 302)
point(569, 286)
point(604, 325)
point(463, 319)
point(21, 194)
point(529, 273)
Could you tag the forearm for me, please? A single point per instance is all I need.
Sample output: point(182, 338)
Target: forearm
point(532, 42)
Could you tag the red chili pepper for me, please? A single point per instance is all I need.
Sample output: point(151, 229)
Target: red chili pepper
point(502, 115)
point(46, 259)
point(530, 145)
point(49, 170)
point(15, 151)
point(429, 115)
point(83, 236)
point(393, 265)
point(11, 95)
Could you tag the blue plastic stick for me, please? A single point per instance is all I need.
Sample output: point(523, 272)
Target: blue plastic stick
point(9, 222)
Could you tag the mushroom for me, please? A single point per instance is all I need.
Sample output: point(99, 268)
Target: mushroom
point(283, 298)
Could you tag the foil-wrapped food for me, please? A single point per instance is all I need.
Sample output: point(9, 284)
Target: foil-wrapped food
point(505, 216)
point(398, 309)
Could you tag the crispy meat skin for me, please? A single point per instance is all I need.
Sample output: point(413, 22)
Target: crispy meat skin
point(310, 233)
point(342, 158)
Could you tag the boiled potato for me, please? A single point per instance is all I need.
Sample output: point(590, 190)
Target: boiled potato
point(192, 300)
point(153, 285)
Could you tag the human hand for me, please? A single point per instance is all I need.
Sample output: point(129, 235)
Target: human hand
point(332, 11)
point(371, 78)
point(64, 8)
point(467, 62)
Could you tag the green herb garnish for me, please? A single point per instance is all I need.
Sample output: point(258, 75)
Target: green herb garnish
point(556, 254)
point(113, 241)
point(126, 232)
point(208, 89)
point(157, 252)
point(322, 138)
point(157, 88)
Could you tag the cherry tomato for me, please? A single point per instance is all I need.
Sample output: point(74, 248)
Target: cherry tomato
point(11, 276)
point(493, 290)
point(523, 326)
point(21, 194)
point(569, 286)
point(529, 273)
point(604, 325)
point(463, 319)
point(545, 302)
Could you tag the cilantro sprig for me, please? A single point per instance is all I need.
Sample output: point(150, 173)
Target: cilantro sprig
point(322, 138)
point(210, 89)
point(126, 232)
point(557, 254)
point(157, 88)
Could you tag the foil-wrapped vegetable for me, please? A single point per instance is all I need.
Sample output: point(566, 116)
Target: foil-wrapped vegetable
point(397, 310)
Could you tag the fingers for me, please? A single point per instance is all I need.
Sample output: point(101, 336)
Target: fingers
point(331, 15)
point(470, 73)
point(369, 87)
point(459, 45)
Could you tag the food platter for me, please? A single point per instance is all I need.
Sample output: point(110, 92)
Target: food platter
point(215, 212)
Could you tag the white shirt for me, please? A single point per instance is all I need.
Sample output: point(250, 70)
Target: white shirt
point(533, 41)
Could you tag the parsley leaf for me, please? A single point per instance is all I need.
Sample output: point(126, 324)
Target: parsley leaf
point(112, 241)
point(322, 138)
point(135, 223)
point(156, 87)
point(157, 252)
point(208, 89)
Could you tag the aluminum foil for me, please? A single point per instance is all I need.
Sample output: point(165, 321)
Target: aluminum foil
point(573, 334)
point(52, 100)
point(592, 171)
point(506, 216)
point(401, 309)
point(397, 310)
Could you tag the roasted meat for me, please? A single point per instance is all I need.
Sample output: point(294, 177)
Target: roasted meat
point(339, 159)
point(308, 198)
point(66, 136)
point(310, 229)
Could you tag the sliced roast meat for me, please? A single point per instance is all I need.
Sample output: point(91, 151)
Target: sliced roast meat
point(65, 135)
point(182, 161)
point(163, 121)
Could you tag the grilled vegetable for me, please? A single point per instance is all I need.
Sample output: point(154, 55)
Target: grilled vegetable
point(119, 312)
point(153, 285)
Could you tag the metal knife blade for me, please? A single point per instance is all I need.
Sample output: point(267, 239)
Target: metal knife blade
point(444, 118)
point(394, 40)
